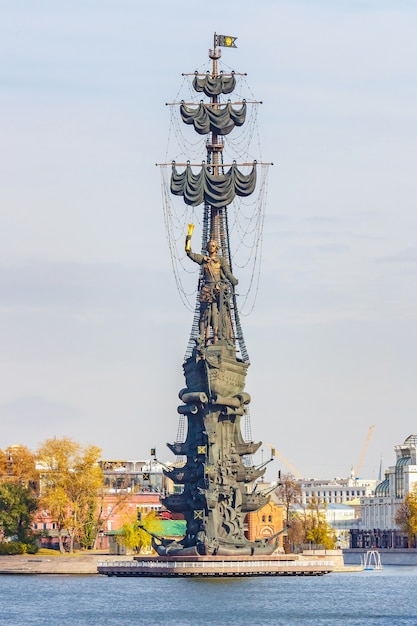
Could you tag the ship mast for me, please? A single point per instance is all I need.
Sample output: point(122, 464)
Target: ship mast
point(214, 145)
point(215, 185)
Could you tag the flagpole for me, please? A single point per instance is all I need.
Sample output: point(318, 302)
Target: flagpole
point(214, 213)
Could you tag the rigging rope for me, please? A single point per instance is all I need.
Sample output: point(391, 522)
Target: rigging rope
point(244, 218)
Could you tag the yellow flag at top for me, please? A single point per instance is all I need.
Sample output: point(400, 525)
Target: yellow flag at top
point(226, 41)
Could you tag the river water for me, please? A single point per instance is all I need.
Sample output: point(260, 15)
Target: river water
point(369, 598)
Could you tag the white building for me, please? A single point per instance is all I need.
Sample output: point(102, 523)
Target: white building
point(336, 490)
point(379, 511)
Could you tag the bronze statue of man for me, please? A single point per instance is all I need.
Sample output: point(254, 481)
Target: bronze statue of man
point(216, 275)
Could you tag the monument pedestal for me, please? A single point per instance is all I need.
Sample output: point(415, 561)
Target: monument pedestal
point(216, 567)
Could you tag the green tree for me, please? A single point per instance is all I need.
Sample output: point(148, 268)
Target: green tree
point(133, 537)
point(17, 508)
point(406, 517)
point(70, 481)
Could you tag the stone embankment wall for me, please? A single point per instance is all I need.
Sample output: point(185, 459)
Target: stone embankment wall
point(60, 564)
point(333, 555)
point(397, 556)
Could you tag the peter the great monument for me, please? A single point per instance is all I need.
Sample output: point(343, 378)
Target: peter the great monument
point(214, 475)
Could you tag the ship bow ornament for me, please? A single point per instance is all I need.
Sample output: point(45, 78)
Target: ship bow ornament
point(214, 477)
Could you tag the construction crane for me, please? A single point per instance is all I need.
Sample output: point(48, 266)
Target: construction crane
point(274, 452)
point(365, 447)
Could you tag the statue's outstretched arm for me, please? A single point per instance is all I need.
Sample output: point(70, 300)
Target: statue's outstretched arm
point(188, 237)
point(197, 258)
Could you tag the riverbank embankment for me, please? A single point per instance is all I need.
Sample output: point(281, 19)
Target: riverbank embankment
point(389, 556)
point(78, 564)
point(59, 564)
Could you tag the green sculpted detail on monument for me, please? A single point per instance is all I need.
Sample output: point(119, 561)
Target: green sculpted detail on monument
point(215, 479)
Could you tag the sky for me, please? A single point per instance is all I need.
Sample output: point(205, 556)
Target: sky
point(92, 329)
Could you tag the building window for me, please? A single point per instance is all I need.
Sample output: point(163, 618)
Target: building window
point(399, 476)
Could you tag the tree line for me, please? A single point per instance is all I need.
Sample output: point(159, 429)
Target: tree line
point(64, 480)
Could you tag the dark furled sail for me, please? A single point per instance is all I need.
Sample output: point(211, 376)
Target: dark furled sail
point(218, 190)
point(214, 85)
point(207, 119)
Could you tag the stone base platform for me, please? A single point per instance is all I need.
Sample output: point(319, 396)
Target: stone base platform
point(212, 566)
